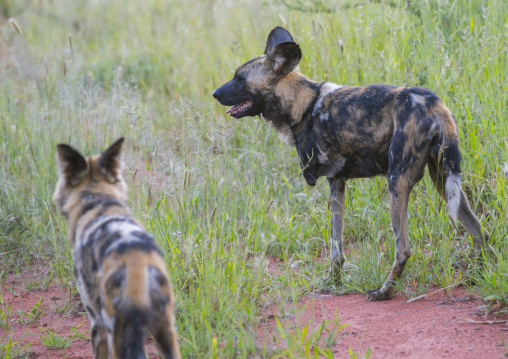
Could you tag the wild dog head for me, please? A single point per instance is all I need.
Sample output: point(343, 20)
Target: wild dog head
point(80, 176)
point(252, 90)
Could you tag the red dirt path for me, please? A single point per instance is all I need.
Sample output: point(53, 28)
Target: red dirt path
point(429, 328)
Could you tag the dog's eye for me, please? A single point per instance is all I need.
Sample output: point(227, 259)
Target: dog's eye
point(241, 77)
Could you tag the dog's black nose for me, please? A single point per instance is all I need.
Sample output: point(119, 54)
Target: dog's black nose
point(215, 94)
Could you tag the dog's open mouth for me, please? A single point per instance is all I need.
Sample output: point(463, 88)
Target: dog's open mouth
point(239, 109)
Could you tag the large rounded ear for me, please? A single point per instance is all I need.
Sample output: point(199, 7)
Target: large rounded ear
point(276, 36)
point(110, 161)
point(71, 164)
point(284, 57)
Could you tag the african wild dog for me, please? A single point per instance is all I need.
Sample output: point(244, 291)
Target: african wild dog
point(344, 132)
point(120, 272)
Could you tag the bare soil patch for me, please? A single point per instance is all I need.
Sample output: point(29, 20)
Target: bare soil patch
point(433, 327)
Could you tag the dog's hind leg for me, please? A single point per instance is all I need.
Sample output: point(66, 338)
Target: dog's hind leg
point(162, 324)
point(337, 196)
point(409, 153)
point(399, 196)
point(164, 332)
point(99, 336)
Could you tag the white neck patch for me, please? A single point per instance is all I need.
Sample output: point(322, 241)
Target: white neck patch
point(326, 88)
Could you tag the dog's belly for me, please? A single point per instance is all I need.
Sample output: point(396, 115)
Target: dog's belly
point(362, 167)
point(342, 160)
point(351, 159)
point(359, 167)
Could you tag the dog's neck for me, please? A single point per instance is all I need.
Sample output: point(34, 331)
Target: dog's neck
point(294, 95)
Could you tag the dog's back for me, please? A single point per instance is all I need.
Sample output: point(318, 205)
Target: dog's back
point(120, 272)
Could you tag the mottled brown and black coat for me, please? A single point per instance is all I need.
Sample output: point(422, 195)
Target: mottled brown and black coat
point(344, 132)
point(120, 273)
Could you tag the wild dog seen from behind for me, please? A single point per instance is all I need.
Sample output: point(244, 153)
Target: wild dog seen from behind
point(345, 132)
point(120, 273)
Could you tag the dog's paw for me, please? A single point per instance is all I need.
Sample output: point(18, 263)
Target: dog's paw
point(382, 293)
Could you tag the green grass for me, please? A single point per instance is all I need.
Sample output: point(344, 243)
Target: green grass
point(222, 194)
point(33, 314)
point(307, 341)
point(12, 349)
point(52, 340)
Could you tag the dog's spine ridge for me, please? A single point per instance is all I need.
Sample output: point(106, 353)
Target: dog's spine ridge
point(136, 291)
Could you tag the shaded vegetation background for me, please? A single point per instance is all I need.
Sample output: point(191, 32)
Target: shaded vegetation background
point(222, 194)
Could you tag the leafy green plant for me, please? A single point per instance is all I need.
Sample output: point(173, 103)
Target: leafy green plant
point(305, 341)
point(353, 355)
point(52, 340)
point(10, 348)
point(5, 314)
point(75, 333)
point(39, 283)
point(492, 280)
point(32, 315)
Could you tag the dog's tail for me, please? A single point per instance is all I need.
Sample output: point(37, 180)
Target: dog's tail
point(139, 295)
point(446, 158)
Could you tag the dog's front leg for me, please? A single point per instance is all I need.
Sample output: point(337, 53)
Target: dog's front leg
point(337, 196)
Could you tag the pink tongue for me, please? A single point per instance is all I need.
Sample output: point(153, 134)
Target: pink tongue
point(234, 108)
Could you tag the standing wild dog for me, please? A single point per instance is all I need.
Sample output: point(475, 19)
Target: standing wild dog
point(344, 132)
point(120, 272)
